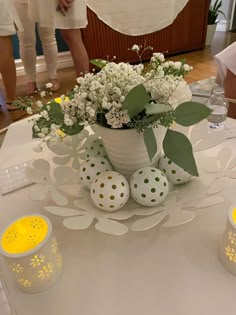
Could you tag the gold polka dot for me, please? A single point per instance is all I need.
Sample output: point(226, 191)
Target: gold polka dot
point(109, 177)
point(101, 196)
point(100, 205)
point(111, 206)
point(102, 185)
point(112, 197)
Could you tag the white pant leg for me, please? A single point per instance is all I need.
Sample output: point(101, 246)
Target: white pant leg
point(27, 41)
point(48, 39)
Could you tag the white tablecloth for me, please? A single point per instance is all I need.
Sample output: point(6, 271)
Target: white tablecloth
point(167, 271)
point(137, 17)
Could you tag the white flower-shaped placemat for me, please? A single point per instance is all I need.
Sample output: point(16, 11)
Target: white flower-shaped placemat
point(39, 174)
point(222, 166)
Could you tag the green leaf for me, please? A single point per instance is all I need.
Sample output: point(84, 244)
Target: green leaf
point(178, 149)
point(136, 100)
point(100, 63)
point(150, 142)
point(152, 108)
point(190, 113)
point(219, 11)
point(55, 112)
point(72, 130)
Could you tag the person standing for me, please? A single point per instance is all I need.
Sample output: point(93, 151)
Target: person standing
point(9, 24)
point(69, 16)
point(28, 55)
point(226, 74)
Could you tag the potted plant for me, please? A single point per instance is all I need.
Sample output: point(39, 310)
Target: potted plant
point(134, 109)
point(213, 13)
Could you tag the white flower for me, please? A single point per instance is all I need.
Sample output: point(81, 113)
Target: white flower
point(44, 130)
point(43, 94)
point(187, 68)
point(36, 128)
point(49, 85)
point(29, 110)
point(44, 114)
point(159, 56)
point(135, 48)
point(91, 111)
point(68, 122)
point(178, 65)
point(116, 118)
point(39, 104)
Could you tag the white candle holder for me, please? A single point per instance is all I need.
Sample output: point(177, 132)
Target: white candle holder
point(31, 252)
point(227, 244)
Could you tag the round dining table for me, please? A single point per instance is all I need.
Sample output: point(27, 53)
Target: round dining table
point(163, 270)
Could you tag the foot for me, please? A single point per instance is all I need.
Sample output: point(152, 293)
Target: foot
point(10, 107)
point(55, 85)
point(31, 88)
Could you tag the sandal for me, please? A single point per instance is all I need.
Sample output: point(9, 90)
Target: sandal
point(11, 108)
point(55, 85)
point(31, 88)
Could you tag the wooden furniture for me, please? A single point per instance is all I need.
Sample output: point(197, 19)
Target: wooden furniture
point(187, 33)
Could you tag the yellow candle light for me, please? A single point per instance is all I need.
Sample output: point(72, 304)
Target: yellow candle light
point(24, 235)
point(31, 252)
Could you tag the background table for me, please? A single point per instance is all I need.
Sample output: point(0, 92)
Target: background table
point(167, 271)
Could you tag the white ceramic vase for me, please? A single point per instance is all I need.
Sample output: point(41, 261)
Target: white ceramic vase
point(211, 28)
point(126, 148)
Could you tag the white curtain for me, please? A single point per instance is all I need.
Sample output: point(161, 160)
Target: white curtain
point(137, 17)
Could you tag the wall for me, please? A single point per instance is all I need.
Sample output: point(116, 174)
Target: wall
point(226, 8)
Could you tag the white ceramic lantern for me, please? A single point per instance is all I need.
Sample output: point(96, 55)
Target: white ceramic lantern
point(110, 191)
point(174, 173)
point(149, 186)
point(31, 252)
point(227, 244)
point(92, 168)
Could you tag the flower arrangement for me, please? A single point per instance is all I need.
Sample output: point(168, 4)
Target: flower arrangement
point(125, 96)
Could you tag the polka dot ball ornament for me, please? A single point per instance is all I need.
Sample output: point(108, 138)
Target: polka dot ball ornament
point(149, 186)
point(92, 168)
point(174, 173)
point(110, 191)
point(94, 147)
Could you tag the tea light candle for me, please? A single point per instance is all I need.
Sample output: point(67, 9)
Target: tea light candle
point(31, 252)
point(227, 244)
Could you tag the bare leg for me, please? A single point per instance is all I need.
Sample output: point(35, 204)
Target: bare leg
point(78, 52)
point(230, 92)
point(8, 68)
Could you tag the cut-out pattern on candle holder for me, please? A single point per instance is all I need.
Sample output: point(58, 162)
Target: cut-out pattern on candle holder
point(31, 252)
